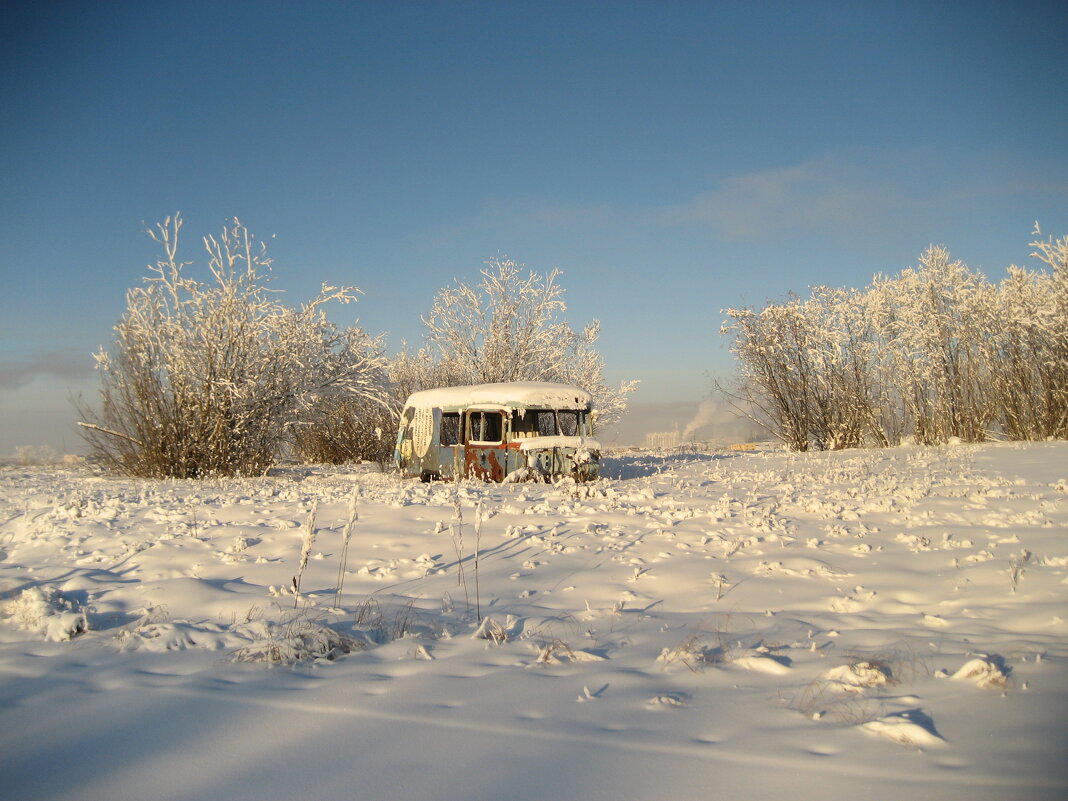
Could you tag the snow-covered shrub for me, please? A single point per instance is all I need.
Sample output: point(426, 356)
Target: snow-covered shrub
point(490, 629)
point(341, 429)
point(379, 627)
point(825, 700)
point(296, 638)
point(47, 611)
point(693, 653)
point(860, 675)
point(986, 671)
point(206, 378)
point(507, 328)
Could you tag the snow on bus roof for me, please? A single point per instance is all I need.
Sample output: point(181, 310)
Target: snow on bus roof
point(537, 394)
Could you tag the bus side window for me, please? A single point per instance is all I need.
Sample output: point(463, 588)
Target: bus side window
point(487, 426)
point(492, 427)
point(546, 423)
point(568, 423)
point(450, 429)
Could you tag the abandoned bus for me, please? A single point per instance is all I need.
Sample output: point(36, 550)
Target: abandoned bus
point(499, 432)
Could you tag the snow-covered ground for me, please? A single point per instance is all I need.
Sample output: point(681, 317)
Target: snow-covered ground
point(865, 624)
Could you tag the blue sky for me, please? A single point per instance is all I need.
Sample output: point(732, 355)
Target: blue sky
point(673, 159)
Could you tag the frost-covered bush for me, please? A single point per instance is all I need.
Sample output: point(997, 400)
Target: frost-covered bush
point(508, 327)
point(342, 429)
point(47, 611)
point(207, 378)
point(297, 638)
point(934, 353)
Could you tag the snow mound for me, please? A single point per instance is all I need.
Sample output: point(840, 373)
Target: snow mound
point(522, 474)
point(48, 612)
point(155, 634)
point(859, 676)
point(557, 652)
point(763, 663)
point(988, 672)
point(911, 728)
point(799, 566)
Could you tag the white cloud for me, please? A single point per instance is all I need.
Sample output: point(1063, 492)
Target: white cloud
point(821, 195)
point(866, 199)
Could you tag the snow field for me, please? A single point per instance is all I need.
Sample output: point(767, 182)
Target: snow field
point(885, 622)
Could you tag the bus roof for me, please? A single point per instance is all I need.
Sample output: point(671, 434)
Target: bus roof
point(527, 394)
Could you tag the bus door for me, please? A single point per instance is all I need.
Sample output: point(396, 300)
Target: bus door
point(484, 451)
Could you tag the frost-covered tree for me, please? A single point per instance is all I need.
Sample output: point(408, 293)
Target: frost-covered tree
point(1048, 324)
point(206, 379)
point(843, 385)
point(804, 370)
point(508, 327)
point(932, 320)
point(934, 353)
point(775, 370)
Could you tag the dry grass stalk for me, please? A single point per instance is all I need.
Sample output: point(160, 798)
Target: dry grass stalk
point(346, 535)
point(307, 540)
point(458, 545)
point(478, 549)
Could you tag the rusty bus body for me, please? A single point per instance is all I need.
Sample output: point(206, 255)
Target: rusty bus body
point(498, 432)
